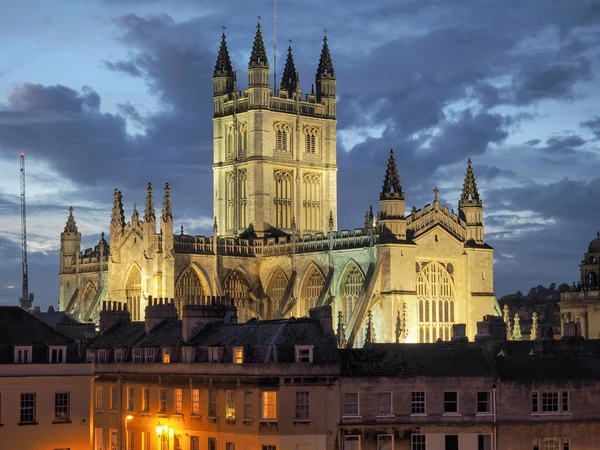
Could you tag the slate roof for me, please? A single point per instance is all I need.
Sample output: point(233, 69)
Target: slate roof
point(18, 327)
point(548, 368)
point(123, 334)
point(414, 360)
point(165, 334)
point(54, 318)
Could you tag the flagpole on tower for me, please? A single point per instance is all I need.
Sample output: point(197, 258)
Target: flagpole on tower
point(275, 47)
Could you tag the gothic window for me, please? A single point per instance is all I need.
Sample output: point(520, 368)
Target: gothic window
point(282, 200)
point(236, 287)
point(229, 137)
point(435, 293)
point(242, 138)
point(188, 289)
point(243, 175)
point(313, 285)
point(275, 292)
point(350, 290)
point(230, 199)
point(133, 293)
point(86, 299)
point(311, 139)
point(282, 137)
point(311, 204)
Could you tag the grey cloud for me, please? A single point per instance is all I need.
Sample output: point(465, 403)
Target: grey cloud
point(533, 142)
point(127, 67)
point(593, 125)
point(563, 144)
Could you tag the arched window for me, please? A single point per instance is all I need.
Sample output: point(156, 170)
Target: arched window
point(230, 199)
point(282, 200)
point(242, 138)
point(237, 288)
point(188, 290)
point(86, 300)
point(243, 175)
point(275, 291)
point(311, 201)
point(229, 137)
point(133, 293)
point(436, 287)
point(311, 139)
point(311, 291)
point(282, 134)
point(350, 290)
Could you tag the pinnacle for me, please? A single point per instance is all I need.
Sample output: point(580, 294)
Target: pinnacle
point(259, 54)
point(289, 80)
point(325, 69)
point(71, 226)
point(469, 191)
point(391, 183)
point(223, 66)
point(149, 215)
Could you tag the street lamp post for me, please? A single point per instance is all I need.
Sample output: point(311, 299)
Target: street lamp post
point(127, 443)
point(164, 432)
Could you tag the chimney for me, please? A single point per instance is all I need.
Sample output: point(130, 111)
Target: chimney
point(324, 315)
point(491, 328)
point(159, 311)
point(459, 334)
point(111, 314)
point(211, 310)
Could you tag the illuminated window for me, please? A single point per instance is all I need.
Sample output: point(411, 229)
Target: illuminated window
point(188, 290)
point(98, 399)
point(282, 137)
point(351, 289)
point(275, 292)
point(114, 439)
point(435, 292)
point(146, 440)
point(195, 402)
point(98, 442)
point(238, 355)
point(230, 200)
point(242, 138)
point(243, 196)
point(351, 405)
point(311, 201)
point(269, 405)
point(229, 137)
point(62, 407)
point(237, 287)
point(230, 404)
point(282, 198)
point(145, 400)
point(133, 293)
point(178, 395)
point(212, 403)
point(302, 405)
point(162, 401)
point(310, 292)
point(166, 355)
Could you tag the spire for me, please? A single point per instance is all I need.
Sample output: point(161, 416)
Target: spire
point(149, 215)
point(71, 226)
point(506, 318)
point(469, 191)
point(325, 69)
point(167, 211)
point(135, 217)
point(341, 333)
point(118, 215)
point(391, 183)
point(102, 244)
point(370, 335)
point(289, 80)
point(223, 67)
point(516, 334)
point(215, 226)
point(259, 55)
point(534, 327)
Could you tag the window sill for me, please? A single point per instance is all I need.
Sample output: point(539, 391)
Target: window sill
point(161, 414)
point(302, 420)
point(352, 416)
point(113, 411)
point(24, 424)
point(484, 414)
point(385, 416)
point(98, 410)
point(196, 416)
point(545, 414)
point(269, 420)
point(58, 422)
point(178, 415)
point(146, 414)
point(451, 414)
point(419, 415)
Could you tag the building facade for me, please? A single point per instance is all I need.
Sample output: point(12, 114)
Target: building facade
point(276, 247)
point(44, 387)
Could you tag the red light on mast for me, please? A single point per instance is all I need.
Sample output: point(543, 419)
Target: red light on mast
point(22, 154)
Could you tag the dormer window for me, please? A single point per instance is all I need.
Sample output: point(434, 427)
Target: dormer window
point(214, 354)
point(101, 356)
point(23, 355)
point(91, 356)
point(137, 355)
point(118, 355)
point(187, 353)
point(149, 355)
point(304, 354)
point(238, 355)
point(57, 355)
point(166, 355)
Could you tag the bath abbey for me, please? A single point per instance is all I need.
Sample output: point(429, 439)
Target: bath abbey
point(275, 247)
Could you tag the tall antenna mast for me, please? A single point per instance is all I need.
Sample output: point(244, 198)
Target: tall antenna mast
point(26, 299)
point(275, 47)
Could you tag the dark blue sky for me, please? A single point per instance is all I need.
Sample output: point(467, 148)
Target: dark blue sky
point(106, 93)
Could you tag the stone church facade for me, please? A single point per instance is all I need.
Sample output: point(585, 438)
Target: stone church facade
point(275, 246)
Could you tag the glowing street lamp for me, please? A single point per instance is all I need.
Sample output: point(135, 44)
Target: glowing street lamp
point(127, 419)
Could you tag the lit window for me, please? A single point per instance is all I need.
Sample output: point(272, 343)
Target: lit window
point(98, 443)
point(303, 405)
point(351, 404)
point(248, 410)
point(28, 408)
point(351, 442)
point(212, 403)
point(238, 355)
point(195, 402)
point(162, 406)
point(146, 440)
point(166, 355)
point(113, 399)
point(145, 400)
point(384, 404)
point(178, 394)
point(137, 355)
point(484, 404)
point(417, 403)
point(269, 405)
point(114, 439)
point(149, 355)
point(212, 443)
point(304, 354)
point(385, 442)
point(118, 355)
point(418, 442)
point(230, 404)
point(130, 398)
point(194, 443)
point(450, 402)
point(99, 399)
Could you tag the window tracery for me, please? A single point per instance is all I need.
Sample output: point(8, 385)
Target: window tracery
point(282, 136)
point(311, 204)
point(311, 139)
point(311, 292)
point(236, 287)
point(188, 290)
point(275, 292)
point(133, 293)
point(282, 200)
point(435, 294)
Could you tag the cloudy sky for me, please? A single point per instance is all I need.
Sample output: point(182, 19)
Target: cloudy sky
point(108, 93)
